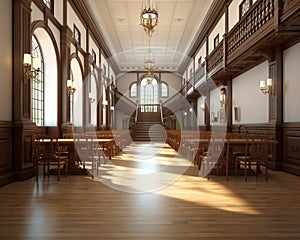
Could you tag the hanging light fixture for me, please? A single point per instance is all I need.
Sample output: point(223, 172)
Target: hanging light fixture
point(149, 64)
point(149, 18)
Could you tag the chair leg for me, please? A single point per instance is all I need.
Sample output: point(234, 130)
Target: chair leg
point(66, 168)
point(245, 171)
point(227, 171)
point(235, 168)
point(58, 171)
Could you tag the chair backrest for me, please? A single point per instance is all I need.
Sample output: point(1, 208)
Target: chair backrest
point(48, 147)
point(256, 146)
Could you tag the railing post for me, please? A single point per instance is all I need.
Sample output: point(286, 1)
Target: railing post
point(277, 14)
point(224, 51)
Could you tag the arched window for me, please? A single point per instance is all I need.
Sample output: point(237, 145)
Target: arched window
point(37, 102)
point(133, 90)
point(164, 89)
point(149, 94)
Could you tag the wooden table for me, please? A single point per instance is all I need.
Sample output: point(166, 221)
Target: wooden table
point(69, 143)
point(233, 142)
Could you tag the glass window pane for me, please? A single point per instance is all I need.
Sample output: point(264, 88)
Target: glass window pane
point(37, 102)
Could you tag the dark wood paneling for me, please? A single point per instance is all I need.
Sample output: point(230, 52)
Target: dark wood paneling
point(273, 131)
point(6, 166)
point(22, 150)
point(291, 147)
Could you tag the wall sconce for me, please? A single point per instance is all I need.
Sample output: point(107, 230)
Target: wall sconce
point(191, 109)
point(31, 66)
point(202, 106)
point(70, 88)
point(91, 99)
point(267, 87)
point(184, 113)
point(105, 102)
point(112, 108)
point(223, 97)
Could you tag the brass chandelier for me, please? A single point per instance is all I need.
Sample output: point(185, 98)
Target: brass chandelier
point(149, 63)
point(149, 18)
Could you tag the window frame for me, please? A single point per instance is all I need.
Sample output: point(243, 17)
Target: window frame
point(130, 90)
point(241, 7)
point(35, 91)
point(77, 34)
point(216, 41)
point(94, 56)
point(167, 90)
point(50, 6)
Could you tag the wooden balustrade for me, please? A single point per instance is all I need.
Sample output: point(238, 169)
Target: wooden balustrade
point(215, 58)
point(259, 14)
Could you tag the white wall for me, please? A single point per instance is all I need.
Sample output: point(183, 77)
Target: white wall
point(104, 63)
point(247, 96)
point(291, 84)
point(56, 34)
point(6, 60)
point(233, 13)
point(189, 70)
point(124, 82)
point(201, 53)
point(173, 81)
point(73, 19)
point(36, 13)
point(59, 11)
point(219, 29)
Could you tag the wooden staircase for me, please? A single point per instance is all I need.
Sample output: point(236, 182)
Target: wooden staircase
point(148, 127)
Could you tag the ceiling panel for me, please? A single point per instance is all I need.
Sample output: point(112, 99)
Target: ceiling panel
point(118, 21)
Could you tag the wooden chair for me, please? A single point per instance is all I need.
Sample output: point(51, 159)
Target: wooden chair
point(253, 155)
point(87, 151)
point(36, 154)
point(50, 156)
point(217, 157)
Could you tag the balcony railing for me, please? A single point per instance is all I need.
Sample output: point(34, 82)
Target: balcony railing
point(258, 25)
point(215, 58)
point(259, 14)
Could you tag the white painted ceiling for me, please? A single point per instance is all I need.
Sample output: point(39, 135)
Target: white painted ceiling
point(178, 27)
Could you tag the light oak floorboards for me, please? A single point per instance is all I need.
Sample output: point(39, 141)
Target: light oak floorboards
point(191, 208)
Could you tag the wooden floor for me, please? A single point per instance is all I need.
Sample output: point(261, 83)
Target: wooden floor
point(78, 207)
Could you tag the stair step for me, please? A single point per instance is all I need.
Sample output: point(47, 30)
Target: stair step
point(144, 128)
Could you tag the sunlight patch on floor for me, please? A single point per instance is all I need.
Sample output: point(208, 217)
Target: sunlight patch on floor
point(143, 167)
point(208, 192)
point(157, 168)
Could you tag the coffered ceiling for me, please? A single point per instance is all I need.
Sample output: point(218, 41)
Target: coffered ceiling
point(179, 25)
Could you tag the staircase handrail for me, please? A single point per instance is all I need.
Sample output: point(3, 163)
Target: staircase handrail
point(161, 115)
point(136, 112)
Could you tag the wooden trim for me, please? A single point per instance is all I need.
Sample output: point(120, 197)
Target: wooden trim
point(291, 148)
point(81, 10)
point(212, 17)
point(7, 173)
point(48, 14)
point(241, 5)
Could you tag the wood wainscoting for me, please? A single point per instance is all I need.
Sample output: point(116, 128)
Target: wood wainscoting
point(291, 148)
point(274, 131)
point(7, 173)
